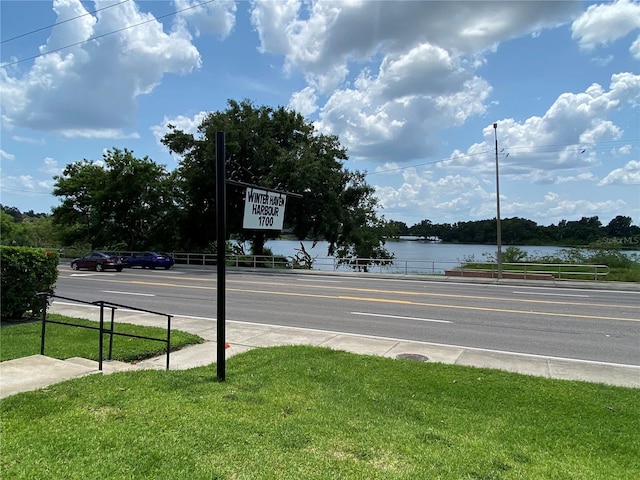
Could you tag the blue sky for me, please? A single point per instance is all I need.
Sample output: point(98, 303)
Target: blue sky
point(412, 89)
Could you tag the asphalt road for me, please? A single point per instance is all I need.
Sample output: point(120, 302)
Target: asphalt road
point(588, 324)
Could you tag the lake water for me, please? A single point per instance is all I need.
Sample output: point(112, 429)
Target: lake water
point(410, 256)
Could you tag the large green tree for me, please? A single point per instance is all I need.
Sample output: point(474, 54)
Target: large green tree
point(11, 231)
point(276, 149)
point(122, 200)
point(621, 227)
point(27, 229)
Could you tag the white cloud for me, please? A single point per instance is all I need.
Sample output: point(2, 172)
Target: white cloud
point(634, 49)
point(602, 61)
point(26, 184)
point(112, 133)
point(6, 156)
point(625, 150)
point(50, 167)
point(559, 140)
point(388, 168)
point(90, 89)
point(325, 38)
point(273, 21)
point(582, 177)
point(447, 199)
point(181, 122)
point(554, 207)
point(387, 72)
point(389, 117)
point(217, 17)
point(627, 175)
point(555, 148)
point(22, 139)
point(304, 101)
point(604, 23)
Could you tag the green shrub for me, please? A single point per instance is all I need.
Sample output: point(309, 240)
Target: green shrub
point(514, 255)
point(24, 273)
point(612, 257)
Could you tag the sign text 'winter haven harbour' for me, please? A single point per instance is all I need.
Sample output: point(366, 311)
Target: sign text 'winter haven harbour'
point(263, 210)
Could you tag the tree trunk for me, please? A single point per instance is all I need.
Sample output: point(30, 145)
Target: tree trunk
point(257, 244)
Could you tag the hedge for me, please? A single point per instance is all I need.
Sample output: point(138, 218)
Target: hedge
point(24, 272)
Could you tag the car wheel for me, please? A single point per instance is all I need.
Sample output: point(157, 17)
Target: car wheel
point(99, 267)
point(74, 266)
point(167, 268)
point(118, 269)
point(152, 266)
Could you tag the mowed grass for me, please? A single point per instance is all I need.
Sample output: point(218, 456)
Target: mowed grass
point(299, 412)
point(21, 339)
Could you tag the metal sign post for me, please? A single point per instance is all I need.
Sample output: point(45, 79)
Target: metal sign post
point(221, 223)
point(266, 212)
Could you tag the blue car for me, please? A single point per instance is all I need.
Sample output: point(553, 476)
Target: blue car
point(150, 260)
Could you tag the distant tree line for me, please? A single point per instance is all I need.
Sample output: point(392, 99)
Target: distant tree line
point(40, 230)
point(520, 231)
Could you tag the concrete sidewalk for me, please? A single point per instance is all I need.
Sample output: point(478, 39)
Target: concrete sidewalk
point(31, 373)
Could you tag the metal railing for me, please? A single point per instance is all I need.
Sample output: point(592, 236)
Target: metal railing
point(535, 271)
point(101, 328)
point(399, 266)
point(404, 266)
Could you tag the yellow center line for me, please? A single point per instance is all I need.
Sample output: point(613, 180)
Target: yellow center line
point(378, 300)
point(414, 294)
point(421, 304)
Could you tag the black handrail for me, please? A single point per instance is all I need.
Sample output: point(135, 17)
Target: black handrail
point(101, 328)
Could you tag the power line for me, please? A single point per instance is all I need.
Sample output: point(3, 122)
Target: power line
point(60, 23)
point(108, 33)
point(22, 190)
point(427, 163)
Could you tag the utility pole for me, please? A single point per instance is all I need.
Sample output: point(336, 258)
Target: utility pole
point(498, 222)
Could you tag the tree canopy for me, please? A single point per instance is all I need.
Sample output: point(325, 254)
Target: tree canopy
point(132, 203)
point(120, 201)
point(277, 149)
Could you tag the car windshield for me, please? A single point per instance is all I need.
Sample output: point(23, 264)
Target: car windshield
point(111, 254)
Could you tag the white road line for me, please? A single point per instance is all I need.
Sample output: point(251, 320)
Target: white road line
point(92, 274)
point(550, 294)
point(314, 280)
point(398, 316)
point(129, 293)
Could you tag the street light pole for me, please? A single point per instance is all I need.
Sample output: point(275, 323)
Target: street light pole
point(498, 222)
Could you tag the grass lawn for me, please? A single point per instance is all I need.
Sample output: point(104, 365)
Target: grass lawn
point(21, 339)
point(301, 412)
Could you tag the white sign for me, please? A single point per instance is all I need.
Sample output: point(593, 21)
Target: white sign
point(263, 210)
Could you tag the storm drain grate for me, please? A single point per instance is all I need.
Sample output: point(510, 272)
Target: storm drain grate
point(412, 356)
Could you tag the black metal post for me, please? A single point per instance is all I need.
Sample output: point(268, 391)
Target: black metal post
point(221, 224)
point(101, 340)
point(113, 313)
point(168, 339)
point(44, 323)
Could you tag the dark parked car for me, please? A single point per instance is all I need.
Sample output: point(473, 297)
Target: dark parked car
point(99, 261)
point(150, 260)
